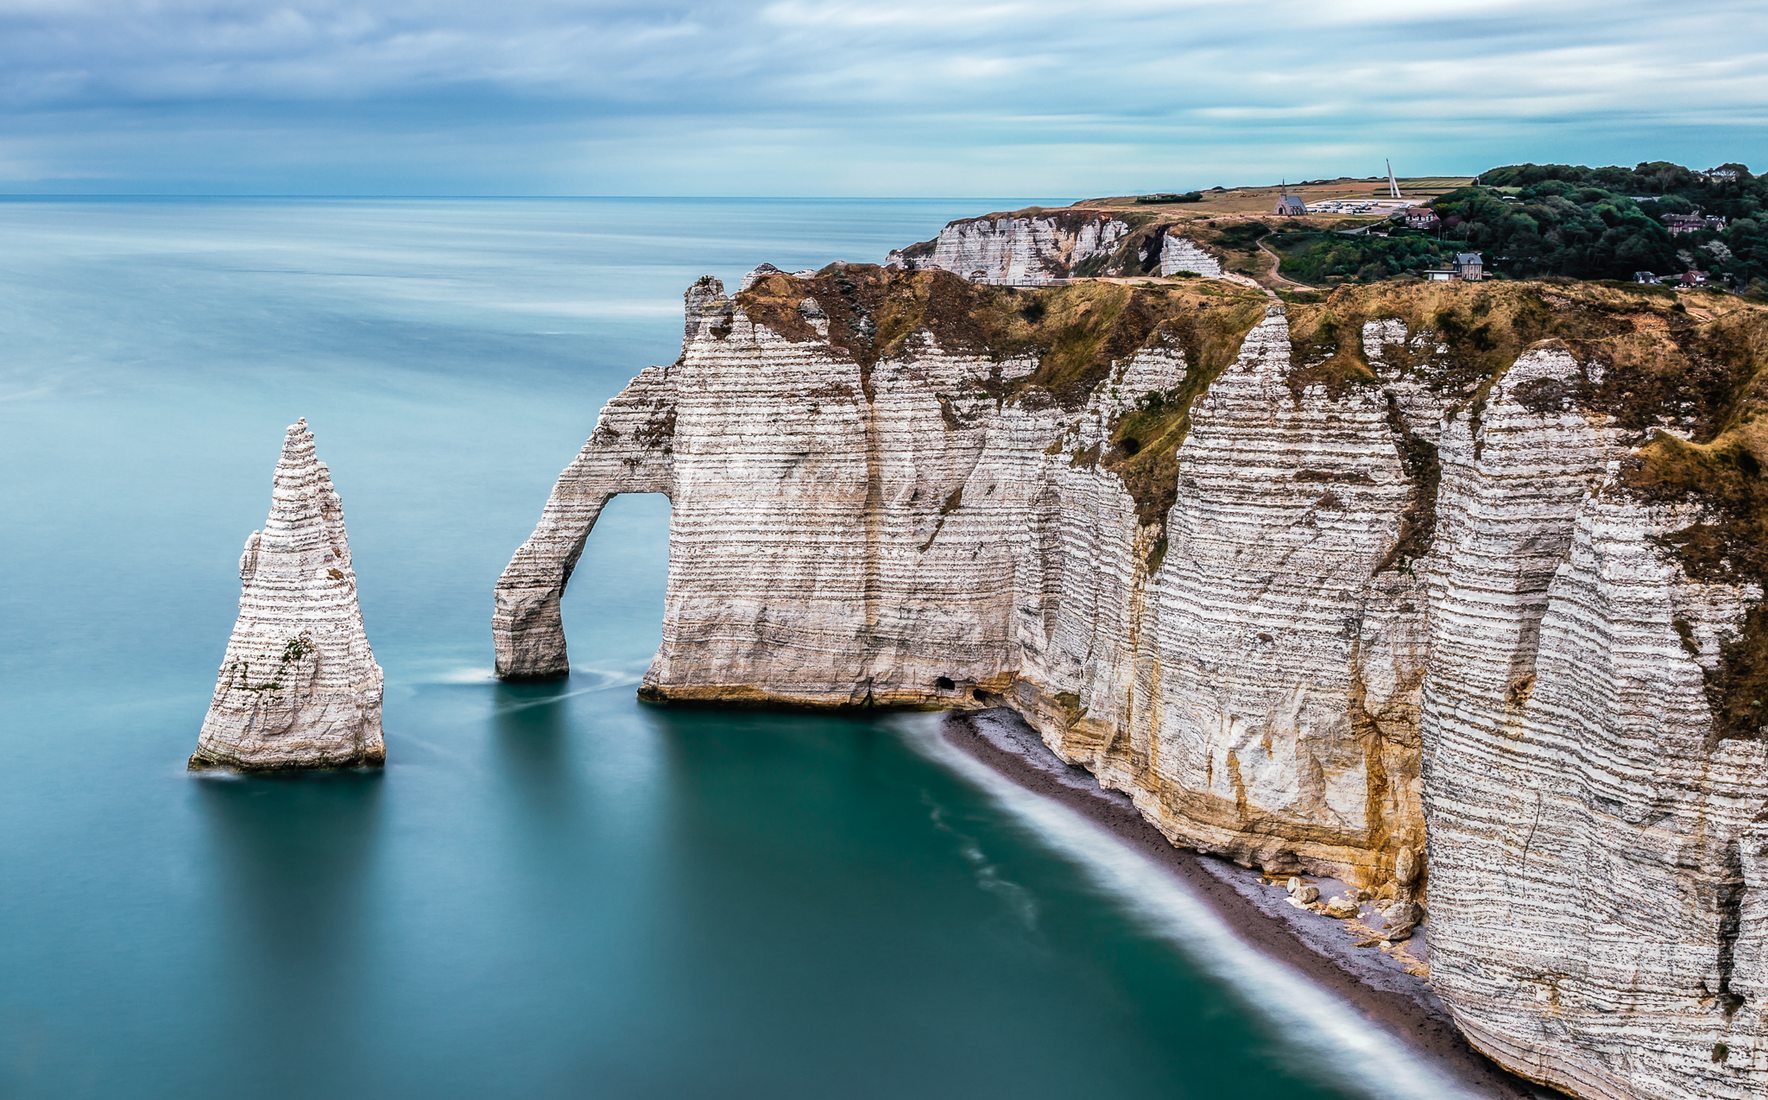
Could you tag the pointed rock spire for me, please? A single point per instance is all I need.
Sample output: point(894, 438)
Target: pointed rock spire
point(299, 686)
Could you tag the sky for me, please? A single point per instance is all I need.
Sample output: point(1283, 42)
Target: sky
point(1043, 98)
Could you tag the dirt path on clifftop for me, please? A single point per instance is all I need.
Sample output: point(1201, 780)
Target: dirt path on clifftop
point(1277, 262)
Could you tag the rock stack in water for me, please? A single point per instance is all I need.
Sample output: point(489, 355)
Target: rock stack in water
point(299, 687)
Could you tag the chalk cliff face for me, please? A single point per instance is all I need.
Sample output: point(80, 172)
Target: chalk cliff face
point(1311, 586)
point(1180, 254)
point(299, 686)
point(1038, 248)
point(1588, 824)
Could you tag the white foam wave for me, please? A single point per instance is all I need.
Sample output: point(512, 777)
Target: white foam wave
point(600, 679)
point(988, 875)
point(463, 675)
point(1356, 1053)
point(582, 681)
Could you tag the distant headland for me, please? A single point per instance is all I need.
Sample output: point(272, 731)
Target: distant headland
point(1654, 223)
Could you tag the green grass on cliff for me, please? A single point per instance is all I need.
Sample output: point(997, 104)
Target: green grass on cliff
point(1075, 331)
point(1323, 256)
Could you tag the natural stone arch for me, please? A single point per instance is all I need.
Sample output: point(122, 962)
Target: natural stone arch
point(631, 451)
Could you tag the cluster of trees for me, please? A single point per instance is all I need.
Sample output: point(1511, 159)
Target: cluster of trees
point(1607, 223)
point(1320, 257)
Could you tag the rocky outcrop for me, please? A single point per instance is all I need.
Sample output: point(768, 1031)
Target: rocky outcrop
point(1180, 254)
point(299, 686)
point(1042, 247)
point(891, 531)
point(1032, 249)
point(1368, 590)
point(1267, 606)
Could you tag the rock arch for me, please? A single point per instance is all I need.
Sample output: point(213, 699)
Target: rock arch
point(632, 450)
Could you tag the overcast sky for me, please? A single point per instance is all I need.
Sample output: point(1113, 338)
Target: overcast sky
point(842, 97)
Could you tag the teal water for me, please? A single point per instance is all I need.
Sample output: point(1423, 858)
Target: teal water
point(552, 891)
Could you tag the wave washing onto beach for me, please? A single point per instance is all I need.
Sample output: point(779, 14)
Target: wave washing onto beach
point(1306, 1015)
point(988, 875)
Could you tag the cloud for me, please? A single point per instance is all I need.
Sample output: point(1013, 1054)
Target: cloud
point(1026, 97)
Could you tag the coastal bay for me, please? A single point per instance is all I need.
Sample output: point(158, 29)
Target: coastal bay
point(553, 888)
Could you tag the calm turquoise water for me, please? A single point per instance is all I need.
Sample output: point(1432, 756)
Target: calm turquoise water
point(552, 891)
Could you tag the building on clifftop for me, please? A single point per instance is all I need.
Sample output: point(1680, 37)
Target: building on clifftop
point(1291, 206)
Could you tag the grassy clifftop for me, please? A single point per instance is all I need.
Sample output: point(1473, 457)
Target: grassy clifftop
point(1690, 363)
point(1657, 358)
point(1075, 331)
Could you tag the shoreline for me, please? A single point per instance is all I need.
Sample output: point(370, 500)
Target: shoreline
point(1371, 983)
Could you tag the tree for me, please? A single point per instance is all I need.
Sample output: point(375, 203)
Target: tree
point(1608, 222)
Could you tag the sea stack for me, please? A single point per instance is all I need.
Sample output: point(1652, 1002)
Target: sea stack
point(299, 686)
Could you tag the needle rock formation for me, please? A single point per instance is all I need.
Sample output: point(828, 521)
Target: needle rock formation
point(299, 686)
point(1448, 590)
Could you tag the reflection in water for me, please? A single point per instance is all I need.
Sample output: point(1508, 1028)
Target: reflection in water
point(294, 856)
point(533, 744)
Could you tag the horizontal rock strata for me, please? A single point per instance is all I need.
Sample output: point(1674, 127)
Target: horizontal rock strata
point(299, 686)
point(1587, 832)
point(1038, 248)
point(630, 452)
point(1299, 585)
point(1181, 255)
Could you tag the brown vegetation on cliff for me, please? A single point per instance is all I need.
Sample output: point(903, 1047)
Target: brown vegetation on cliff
point(1075, 331)
point(1720, 469)
point(1657, 360)
point(1652, 358)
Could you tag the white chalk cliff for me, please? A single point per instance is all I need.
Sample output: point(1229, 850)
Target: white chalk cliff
point(299, 686)
point(1180, 254)
point(1038, 248)
point(1589, 826)
point(1399, 621)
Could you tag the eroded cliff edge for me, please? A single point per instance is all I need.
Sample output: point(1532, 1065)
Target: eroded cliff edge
point(1298, 581)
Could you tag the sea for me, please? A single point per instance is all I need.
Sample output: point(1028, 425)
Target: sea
point(552, 890)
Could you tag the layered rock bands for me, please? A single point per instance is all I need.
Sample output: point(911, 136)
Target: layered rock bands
point(1378, 599)
point(299, 686)
point(1039, 248)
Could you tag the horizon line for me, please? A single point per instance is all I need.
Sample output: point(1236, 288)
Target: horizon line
point(64, 195)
